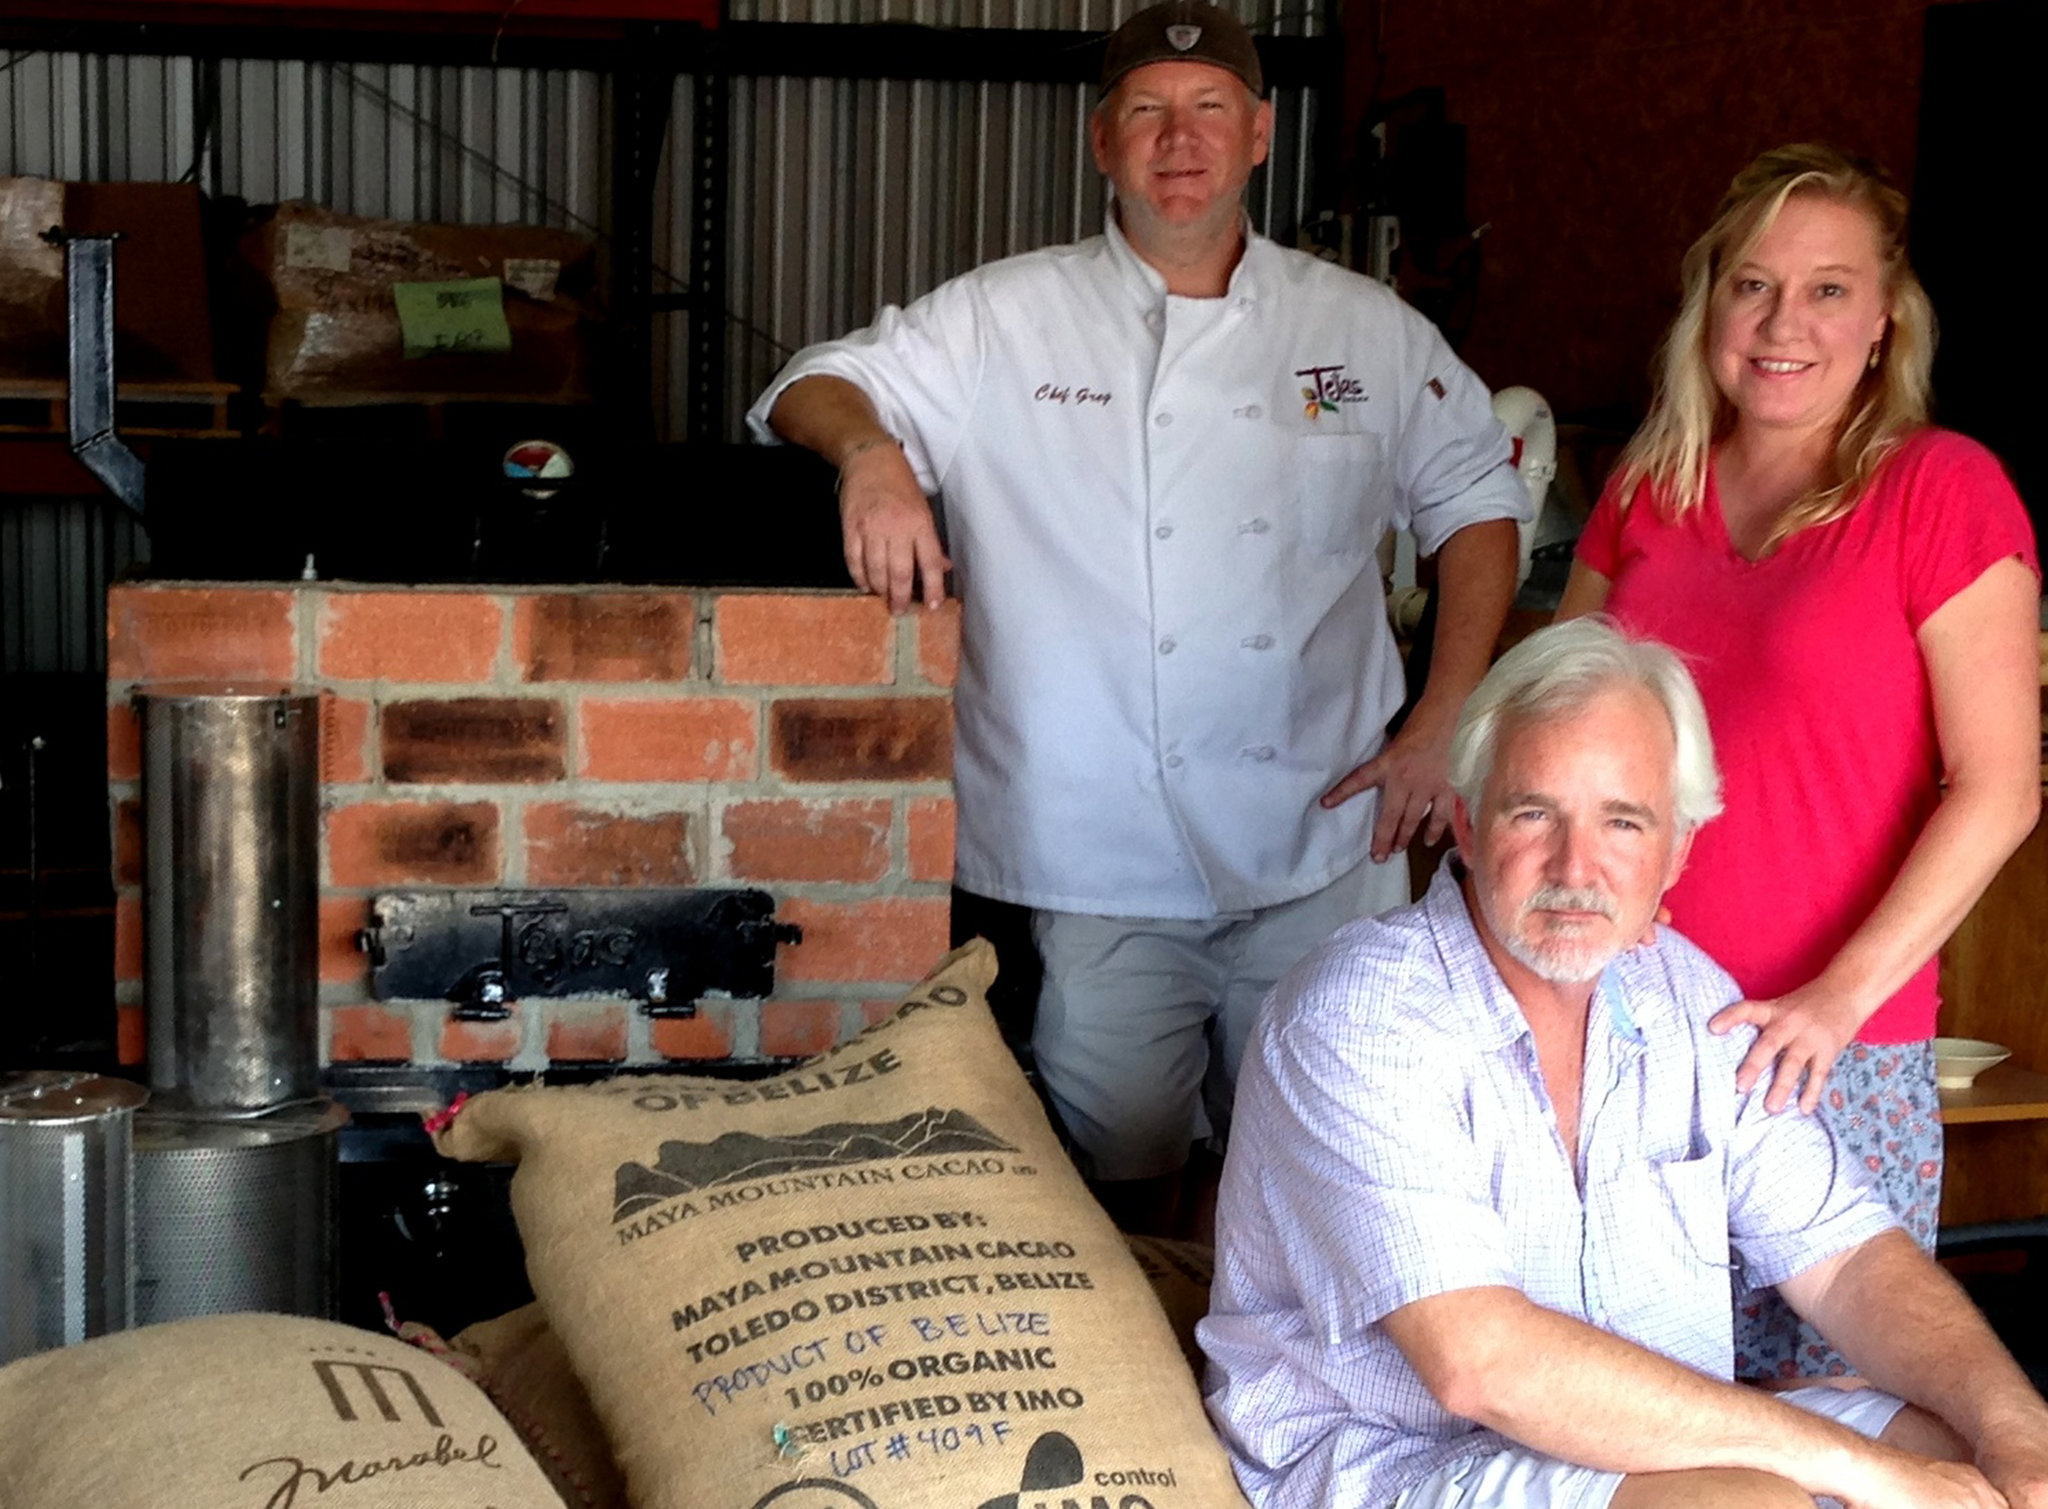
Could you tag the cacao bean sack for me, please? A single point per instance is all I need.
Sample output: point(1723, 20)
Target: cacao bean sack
point(1180, 1274)
point(872, 1282)
point(520, 1363)
point(255, 1412)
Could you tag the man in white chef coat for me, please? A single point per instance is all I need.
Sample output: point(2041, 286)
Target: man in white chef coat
point(1165, 458)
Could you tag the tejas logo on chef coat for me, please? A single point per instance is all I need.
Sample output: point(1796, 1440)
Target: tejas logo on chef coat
point(1328, 389)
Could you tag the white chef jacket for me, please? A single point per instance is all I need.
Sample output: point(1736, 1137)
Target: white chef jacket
point(1163, 515)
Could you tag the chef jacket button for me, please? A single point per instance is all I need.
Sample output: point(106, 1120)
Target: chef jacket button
point(1163, 532)
point(1264, 752)
point(1166, 647)
point(1173, 762)
point(1155, 319)
point(1162, 420)
point(1254, 412)
point(1253, 526)
point(1257, 642)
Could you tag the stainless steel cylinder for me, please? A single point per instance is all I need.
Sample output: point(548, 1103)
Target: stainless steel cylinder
point(235, 1215)
point(65, 1255)
point(231, 783)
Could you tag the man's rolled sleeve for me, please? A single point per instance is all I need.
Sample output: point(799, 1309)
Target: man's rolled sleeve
point(1456, 462)
point(1795, 1195)
point(1368, 1166)
point(919, 366)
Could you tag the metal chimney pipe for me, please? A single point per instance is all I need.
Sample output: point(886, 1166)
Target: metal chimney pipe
point(231, 785)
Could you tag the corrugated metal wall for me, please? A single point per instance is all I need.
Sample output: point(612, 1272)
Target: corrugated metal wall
point(842, 194)
point(56, 557)
point(850, 194)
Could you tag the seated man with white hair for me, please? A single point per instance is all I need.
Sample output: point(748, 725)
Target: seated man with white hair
point(1491, 1174)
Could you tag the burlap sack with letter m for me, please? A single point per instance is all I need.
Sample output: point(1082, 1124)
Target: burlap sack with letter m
point(873, 1282)
point(255, 1412)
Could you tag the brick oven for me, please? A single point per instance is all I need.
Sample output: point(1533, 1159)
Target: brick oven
point(796, 742)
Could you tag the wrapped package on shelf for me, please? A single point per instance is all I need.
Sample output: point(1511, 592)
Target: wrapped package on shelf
point(163, 335)
point(323, 283)
point(31, 279)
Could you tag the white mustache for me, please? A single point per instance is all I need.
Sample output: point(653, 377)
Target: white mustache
point(1558, 898)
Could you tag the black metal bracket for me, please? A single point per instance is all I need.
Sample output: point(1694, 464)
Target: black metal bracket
point(89, 307)
point(486, 949)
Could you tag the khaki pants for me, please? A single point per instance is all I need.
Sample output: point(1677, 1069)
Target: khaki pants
point(1142, 1021)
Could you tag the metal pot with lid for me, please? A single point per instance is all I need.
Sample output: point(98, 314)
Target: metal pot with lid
point(66, 1174)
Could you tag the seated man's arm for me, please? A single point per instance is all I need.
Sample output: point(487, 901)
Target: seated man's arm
point(1909, 1329)
point(1574, 1392)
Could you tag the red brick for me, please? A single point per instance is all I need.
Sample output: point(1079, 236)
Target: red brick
point(475, 739)
point(582, 1034)
point(798, 1029)
point(344, 740)
point(128, 842)
point(674, 739)
point(369, 1035)
point(124, 742)
point(401, 843)
point(786, 639)
point(130, 1036)
point(128, 938)
point(862, 738)
point(480, 1042)
point(173, 633)
point(409, 636)
point(798, 840)
point(577, 846)
point(611, 636)
point(708, 1034)
point(930, 821)
point(938, 644)
point(889, 938)
point(341, 962)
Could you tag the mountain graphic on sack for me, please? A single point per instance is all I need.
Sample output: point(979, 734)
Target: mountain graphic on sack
point(682, 1168)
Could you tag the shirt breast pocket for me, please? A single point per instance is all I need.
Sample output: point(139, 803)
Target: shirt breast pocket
point(1337, 492)
point(1694, 1193)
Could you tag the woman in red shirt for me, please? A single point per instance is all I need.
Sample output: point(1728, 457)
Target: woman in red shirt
point(1857, 594)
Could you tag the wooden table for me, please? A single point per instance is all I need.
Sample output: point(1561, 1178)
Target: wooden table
point(2002, 1093)
point(1996, 1168)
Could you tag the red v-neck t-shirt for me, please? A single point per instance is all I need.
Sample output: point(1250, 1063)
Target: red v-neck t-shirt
point(1817, 697)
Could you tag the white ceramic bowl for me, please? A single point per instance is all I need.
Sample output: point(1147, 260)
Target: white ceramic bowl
point(1959, 1060)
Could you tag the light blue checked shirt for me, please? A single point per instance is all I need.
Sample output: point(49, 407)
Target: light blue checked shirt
point(1393, 1140)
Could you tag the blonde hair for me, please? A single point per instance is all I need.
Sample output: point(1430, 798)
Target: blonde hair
point(1688, 413)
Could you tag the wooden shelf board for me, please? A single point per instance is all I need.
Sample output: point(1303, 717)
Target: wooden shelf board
point(2000, 1094)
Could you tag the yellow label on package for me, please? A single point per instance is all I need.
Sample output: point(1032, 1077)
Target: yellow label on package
point(441, 319)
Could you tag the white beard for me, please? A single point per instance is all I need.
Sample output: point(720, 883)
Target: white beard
point(1559, 960)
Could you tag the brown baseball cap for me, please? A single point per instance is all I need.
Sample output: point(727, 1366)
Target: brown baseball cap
point(1185, 31)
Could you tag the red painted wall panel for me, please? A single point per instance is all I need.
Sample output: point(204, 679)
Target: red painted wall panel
point(1601, 134)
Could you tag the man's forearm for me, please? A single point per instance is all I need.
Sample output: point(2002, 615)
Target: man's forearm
point(1909, 1329)
point(828, 415)
point(1574, 1392)
point(1475, 586)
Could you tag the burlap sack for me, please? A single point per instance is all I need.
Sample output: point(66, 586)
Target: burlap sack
point(254, 1412)
point(520, 1362)
point(871, 1283)
point(1180, 1274)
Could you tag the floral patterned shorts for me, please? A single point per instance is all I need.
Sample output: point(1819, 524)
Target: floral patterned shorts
point(1882, 1106)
